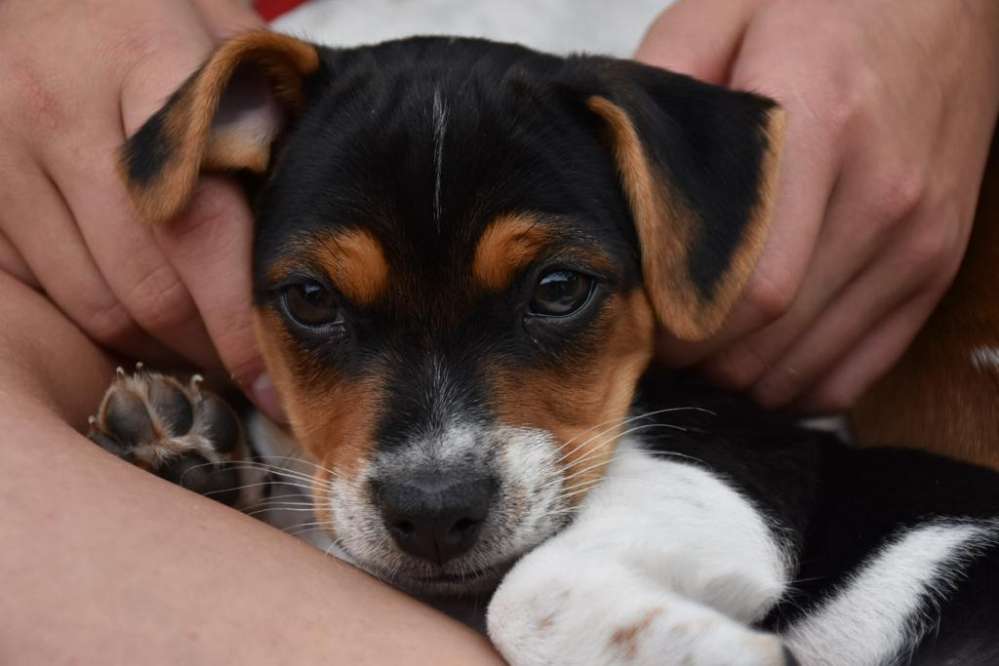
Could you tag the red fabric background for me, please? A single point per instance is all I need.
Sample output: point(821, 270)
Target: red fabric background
point(271, 9)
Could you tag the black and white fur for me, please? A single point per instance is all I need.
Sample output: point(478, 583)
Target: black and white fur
point(725, 537)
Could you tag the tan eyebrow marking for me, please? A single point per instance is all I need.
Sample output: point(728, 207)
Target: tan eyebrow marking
point(355, 262)
point(509, 243)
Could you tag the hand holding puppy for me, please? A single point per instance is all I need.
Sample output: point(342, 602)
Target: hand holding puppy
point(78, 78)
point(890, 107)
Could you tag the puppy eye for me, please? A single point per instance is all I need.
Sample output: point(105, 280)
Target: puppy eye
point(311, 305)
point(560, 293)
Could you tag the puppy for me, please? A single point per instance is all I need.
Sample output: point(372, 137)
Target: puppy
point(462, 252)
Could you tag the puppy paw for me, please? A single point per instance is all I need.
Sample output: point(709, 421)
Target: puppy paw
point(180, 432)
point(563, 608)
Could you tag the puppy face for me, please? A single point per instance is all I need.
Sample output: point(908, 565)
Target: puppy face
point(462, 252)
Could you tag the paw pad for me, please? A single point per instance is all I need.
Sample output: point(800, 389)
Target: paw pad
point(178, 431)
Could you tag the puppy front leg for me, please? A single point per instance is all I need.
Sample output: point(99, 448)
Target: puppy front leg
point(666, 563)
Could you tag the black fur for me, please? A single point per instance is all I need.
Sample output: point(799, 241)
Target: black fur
point(147, 152)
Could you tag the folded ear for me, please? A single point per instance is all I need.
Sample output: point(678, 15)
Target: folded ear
point(224, 118)
point(697, 165)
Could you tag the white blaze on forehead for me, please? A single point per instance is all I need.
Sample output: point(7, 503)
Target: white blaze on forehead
point(455, 445)
point(985, 358)
point(440, 128)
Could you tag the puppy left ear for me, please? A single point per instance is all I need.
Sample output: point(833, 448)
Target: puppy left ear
point(224, 118)
point(697, 165)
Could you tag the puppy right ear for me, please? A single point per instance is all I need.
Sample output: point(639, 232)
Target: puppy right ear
point(224, 118)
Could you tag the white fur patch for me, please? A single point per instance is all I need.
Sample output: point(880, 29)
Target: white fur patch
point(665, 563)
point(685, 528)
point(440, 129)
point(878, 612)
point(985, 358)
point(529, 508)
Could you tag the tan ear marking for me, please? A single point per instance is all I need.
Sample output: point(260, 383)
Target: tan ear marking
point(667, 228)
point(183, 138)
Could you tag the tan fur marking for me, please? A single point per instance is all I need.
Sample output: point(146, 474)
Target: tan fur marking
point(332, 418)
point(509, 244)
point(583, 405)
point(355, 262)
point(626, 638)
point(666, 228)
point(188, 124)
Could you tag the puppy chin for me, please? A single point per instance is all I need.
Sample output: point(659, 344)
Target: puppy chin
point(470, 583)
point(462, 578)
point(459, 578)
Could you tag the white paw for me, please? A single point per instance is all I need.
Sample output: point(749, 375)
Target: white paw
point(558, 606)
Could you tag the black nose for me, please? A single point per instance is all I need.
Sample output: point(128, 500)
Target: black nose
point(435, 518)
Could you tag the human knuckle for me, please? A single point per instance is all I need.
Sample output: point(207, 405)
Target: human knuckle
point(833, 400)
point(159, 300)
point(840, 109)
point(841, 93)
point(927, 251)
point(900, 194)
point(107, 322)
point(770, 298)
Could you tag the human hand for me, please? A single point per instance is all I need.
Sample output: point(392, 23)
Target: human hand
point(890, 108)
point(78, 78)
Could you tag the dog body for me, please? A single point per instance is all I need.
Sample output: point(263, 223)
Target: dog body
point(462, 252)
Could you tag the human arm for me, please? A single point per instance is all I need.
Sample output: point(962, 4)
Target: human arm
point(103, 562)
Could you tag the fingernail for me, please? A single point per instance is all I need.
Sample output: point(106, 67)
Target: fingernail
point(266, 398)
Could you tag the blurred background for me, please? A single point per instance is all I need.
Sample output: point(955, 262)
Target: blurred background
point(559, 26)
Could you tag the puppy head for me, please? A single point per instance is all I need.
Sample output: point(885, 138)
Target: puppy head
point(462, 251)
